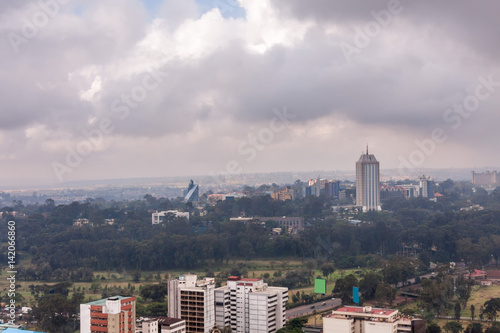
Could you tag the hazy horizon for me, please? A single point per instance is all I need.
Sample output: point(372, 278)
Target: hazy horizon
point(109, 89)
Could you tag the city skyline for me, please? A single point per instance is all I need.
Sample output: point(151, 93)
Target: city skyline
point(94, 90)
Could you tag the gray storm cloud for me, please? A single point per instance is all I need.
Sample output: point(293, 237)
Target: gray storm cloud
point(223, 76)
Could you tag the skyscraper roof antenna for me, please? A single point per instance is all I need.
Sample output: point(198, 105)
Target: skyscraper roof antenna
point(366, 149)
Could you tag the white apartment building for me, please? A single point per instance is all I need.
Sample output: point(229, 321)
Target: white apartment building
point(250, 305)
point(192, 300)
point(159, 217)
point(356, 319)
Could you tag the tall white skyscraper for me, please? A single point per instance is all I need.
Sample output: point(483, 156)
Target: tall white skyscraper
point(368, 182)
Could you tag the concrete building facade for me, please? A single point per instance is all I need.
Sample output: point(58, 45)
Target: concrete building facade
point(192, 300)
point(250, 306)
point(368, 182)
point(160, 217)
point(162, 325)
point(485, 178)
point(112, 315)
point(356, 319)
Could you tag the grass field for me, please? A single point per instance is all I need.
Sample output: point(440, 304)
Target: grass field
point(255, 268)
point(479, 296)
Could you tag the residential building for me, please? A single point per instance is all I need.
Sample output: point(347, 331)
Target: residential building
point(427, 187)
point(324, 187)
point(192, 300)
point(160, 217)
point(332, 189)
point(82, 222)
point(356, 319)
point(250, 306)
point(162, 325)
point(411, 191)
point(368, 182)
point(112, 315)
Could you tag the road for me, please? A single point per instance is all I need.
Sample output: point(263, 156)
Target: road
point(305, 310)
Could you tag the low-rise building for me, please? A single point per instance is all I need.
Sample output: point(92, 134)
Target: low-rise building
point(356, 319)
point(161, 325)
point(160, 217)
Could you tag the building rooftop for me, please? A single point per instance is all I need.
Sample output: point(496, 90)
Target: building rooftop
point(168, 320)
point(103, 301)
point(239, 278)
point(366, 310)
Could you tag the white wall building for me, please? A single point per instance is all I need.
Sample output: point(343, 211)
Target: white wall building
point(250, 305)
point(192, 300)
point(159, 217)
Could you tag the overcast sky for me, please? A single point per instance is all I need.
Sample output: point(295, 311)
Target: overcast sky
point(184, 87)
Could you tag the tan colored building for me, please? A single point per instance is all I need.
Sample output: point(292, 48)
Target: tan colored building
point(485, 178)
point(112, 315)
point(286, 194)
point(357, 319)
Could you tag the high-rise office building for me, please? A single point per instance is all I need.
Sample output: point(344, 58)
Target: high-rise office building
point(368, 182)
point(250, 306)
point(192, 300)
point(192, 193)
point(113, 315)
point(427, 187)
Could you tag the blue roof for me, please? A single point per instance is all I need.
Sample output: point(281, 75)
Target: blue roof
point(15, 330)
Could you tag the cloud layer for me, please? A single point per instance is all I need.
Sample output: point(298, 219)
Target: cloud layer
point(103, 89)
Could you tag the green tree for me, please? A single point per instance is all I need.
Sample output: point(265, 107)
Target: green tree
point(327, 269)
point(491, 308)
point(368, 284)
point(154, 292)
point(433, 328)
point(474, 328)
point(494, 328)
point(344, 287)
point(385, 293)
point(453, 327)
point(458, 311)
